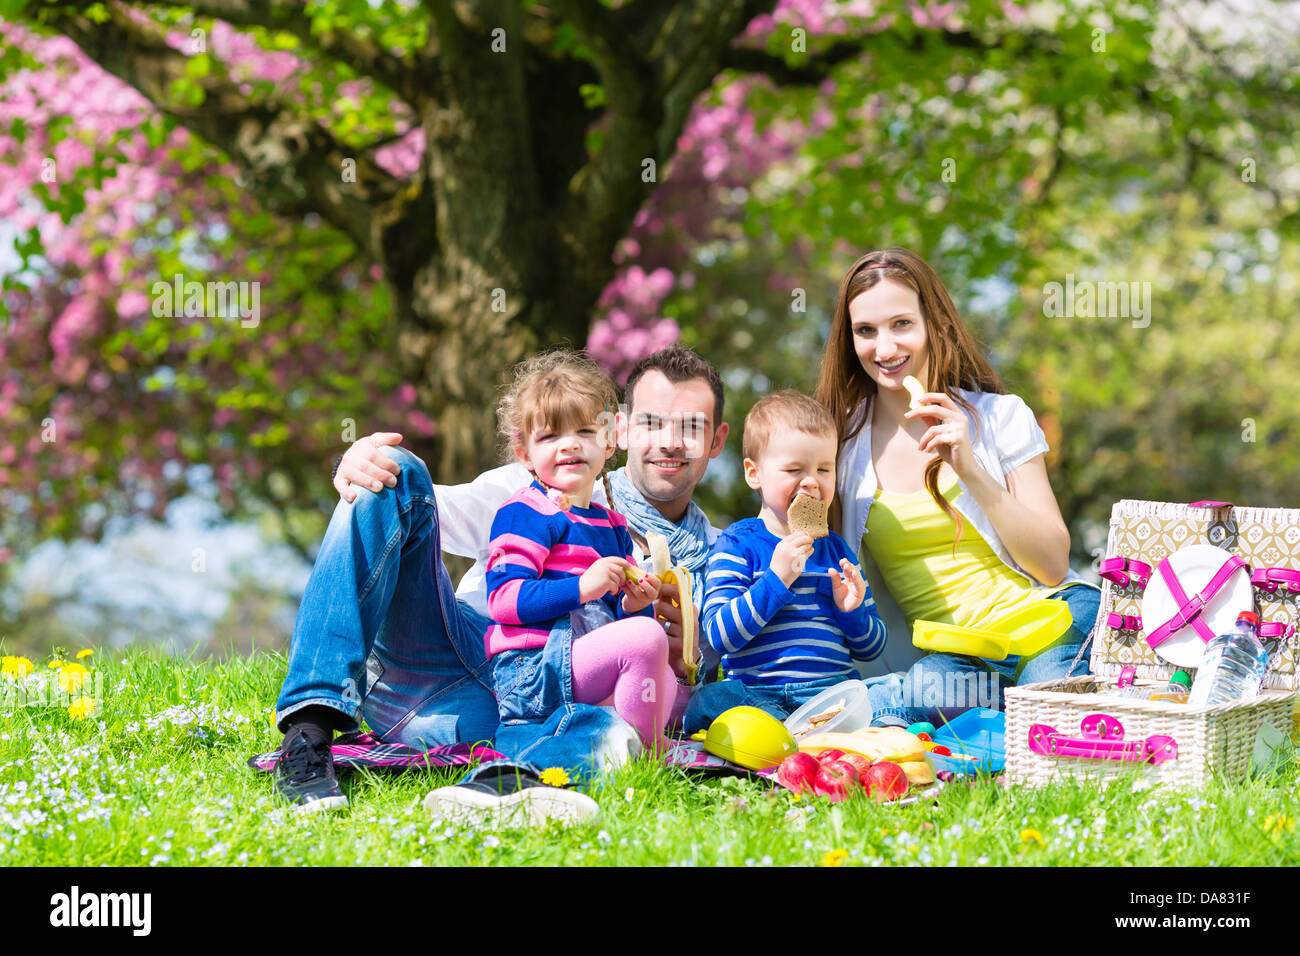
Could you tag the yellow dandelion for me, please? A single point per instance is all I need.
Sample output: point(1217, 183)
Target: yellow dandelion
point(884, 831)
point(15, 667)
point(84, 653)
point(835, 858)
point(71, 677)
point(1032, 836)
point(82, 708)
point(1279, 823)
point(56, 664)
point(555, 777)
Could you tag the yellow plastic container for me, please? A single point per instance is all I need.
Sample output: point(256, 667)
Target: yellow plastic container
point(750, 737)
point(1023, 632)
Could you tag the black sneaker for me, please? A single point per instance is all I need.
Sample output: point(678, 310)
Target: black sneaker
point(304, 774)
point(501, 795)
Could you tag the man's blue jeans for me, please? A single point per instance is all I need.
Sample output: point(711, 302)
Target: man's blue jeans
point(381, 636)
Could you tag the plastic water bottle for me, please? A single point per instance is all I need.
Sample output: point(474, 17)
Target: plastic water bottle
point(1233, 666)
point(1176, 691)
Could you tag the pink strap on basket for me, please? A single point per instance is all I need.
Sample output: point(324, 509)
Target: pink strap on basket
point(1102, 739)
point(1210, 504)
point(1270, 579)
point(1119, 570)
point(1123, 622)
point(1126, 676)
point(1276, 631)
point(1189, 609)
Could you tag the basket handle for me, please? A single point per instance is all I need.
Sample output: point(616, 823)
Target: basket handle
point(1102, 739)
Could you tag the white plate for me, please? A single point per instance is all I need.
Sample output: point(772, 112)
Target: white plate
point(1194, 566)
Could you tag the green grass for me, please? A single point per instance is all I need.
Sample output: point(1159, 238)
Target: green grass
point(131, 787)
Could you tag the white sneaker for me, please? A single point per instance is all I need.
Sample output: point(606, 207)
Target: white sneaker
point(505, 795)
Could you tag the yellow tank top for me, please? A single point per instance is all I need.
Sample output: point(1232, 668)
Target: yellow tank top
point(910, 539)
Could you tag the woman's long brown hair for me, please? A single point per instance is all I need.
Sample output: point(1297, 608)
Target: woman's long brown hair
point(955, 360)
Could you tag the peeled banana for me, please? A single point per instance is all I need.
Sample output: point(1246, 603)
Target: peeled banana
point(661, 561)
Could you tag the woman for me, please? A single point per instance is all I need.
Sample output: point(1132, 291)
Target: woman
point(951, 501)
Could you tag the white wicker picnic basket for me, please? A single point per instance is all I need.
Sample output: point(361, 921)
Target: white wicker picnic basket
point(1069, 728)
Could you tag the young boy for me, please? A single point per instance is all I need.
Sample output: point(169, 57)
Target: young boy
point(788, 612)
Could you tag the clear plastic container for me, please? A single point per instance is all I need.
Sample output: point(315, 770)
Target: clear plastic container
point(1233, 666)
point(1174, 692)
point(847, 703)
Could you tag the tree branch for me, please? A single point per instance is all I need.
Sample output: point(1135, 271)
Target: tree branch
point(1219, 57)
point(292, 162)
point(655, 59)
point(362, 56)
point(817, 67)
point(625, 84)
point(819, 64)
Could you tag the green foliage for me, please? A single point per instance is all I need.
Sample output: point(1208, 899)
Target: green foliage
point(1011, 165)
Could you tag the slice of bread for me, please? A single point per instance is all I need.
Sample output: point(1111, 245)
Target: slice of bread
point(808, 514)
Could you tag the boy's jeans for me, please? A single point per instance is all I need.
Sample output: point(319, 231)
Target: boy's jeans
point(380, 635)
point(779, 700)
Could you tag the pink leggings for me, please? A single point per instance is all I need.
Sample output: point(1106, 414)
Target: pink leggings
point(627, 661)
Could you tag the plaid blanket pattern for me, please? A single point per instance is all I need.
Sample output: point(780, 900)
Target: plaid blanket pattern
point(365, 750)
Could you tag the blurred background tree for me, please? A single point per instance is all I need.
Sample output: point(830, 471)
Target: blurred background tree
point(1009, 144)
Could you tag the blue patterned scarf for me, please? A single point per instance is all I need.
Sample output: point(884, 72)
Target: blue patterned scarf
point(688, 540)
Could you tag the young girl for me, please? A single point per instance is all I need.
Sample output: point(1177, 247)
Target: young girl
point(949, 498)
point(569, 625)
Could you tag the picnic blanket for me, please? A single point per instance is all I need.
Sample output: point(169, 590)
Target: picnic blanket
point(690, 755)
point(366, 751)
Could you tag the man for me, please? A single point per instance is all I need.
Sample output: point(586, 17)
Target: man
point(381, 634)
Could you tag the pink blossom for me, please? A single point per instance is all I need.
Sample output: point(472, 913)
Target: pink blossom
point(1014, 11)
point(132, 303)
point(421, 423)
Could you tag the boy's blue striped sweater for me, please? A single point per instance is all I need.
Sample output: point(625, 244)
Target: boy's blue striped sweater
point(768, 633)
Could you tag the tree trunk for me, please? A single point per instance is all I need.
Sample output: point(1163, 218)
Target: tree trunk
point(489, 280)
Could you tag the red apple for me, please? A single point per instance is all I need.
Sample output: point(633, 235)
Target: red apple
point(886, 781)
point(797, 772)
point(836, 779)
point(826, 756)
point(859, 763)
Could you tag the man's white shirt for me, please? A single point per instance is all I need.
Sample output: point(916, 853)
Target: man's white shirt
point(465, 514)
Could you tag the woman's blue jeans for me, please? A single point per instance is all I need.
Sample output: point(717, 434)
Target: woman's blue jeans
point(381, 636)
point(941, 686)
